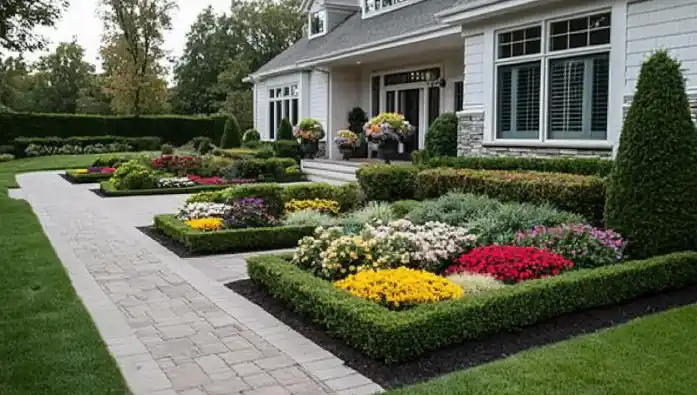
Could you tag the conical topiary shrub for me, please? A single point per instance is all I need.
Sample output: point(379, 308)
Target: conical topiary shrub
point(652, 191)
point(285, 130)
point(231, 134)
point(441, 139)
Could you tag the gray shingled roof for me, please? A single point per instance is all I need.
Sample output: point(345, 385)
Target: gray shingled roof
point(355, 31)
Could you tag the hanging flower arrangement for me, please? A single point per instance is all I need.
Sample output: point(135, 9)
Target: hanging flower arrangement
point(309, 129)
point(387, 126)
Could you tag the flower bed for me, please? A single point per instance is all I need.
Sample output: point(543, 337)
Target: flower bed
point(107, 189)
point(230, 240)
point(89, 175)
point(394, 336)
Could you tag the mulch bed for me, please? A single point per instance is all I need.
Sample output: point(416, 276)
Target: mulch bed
point(177, 248)
point(471, 353)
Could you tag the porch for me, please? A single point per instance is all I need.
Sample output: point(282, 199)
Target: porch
point(419, 80)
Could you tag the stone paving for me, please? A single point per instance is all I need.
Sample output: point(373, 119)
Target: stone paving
point(169, 322)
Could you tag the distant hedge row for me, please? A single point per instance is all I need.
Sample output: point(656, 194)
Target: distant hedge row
point(172, 129)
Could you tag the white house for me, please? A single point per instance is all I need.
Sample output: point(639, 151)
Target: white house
point(540, 77)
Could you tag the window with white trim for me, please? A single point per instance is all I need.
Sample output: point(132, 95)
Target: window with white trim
point(318, 23)
point(565, 64)
point(372, 6)
point(283, 103)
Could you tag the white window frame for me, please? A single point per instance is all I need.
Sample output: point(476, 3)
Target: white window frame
point(310, 15)
point(370, 14)
point(544, 58)
point(275, 99)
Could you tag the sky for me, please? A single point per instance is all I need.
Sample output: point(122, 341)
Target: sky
point(81, 20)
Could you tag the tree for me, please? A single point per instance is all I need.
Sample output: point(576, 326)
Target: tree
point(651, 193)
point(95, 98)
point(134, 38)
point(231, 133)
point(13, 80)
point(441, 139)
point(61, 77)
point(285, 130)
point(19, 18)
point(210, 47)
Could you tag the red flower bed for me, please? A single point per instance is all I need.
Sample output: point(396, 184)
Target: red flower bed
point(176, 163)
point(510, 264)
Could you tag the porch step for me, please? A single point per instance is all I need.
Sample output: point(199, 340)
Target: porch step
point(321, 170)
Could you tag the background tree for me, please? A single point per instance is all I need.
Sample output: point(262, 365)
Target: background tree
point(19, 18)
point(95, 98)
point(14, 75)
point(133, 40)
point(651, 193)
point(61, 76)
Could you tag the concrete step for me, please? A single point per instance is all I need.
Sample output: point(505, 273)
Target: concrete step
point(328, 175)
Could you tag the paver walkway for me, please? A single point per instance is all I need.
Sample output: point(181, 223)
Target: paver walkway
point(173, 328)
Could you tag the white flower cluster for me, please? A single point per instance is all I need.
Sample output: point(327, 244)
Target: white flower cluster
point(175, 182)
point(202, 210)
point(433, 243)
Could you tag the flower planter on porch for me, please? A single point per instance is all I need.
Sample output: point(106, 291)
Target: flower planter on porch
point(387, 150)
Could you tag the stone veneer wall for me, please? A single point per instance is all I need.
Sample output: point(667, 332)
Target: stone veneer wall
point(470, 136)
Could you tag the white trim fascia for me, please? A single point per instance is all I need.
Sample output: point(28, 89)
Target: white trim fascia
point(484, 9)
point(392, 42)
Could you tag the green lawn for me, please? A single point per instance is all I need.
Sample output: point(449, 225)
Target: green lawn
point(648, 356)
point(48, 343)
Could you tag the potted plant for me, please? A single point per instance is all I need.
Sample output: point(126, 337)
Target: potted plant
point(347, 141)
point(387, 130)
point(309, 132)
point(356, 119)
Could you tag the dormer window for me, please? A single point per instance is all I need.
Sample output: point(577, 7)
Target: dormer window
point(318, 23)
point(379, 6)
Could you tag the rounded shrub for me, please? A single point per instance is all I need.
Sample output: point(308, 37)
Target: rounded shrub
point(231, 133)
point(287, 149)
point(651, 192)
point(441, 139)
point(250, 137)
point(167, 149)
point(285, 130)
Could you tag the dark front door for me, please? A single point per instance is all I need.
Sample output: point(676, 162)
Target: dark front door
point(410, 107)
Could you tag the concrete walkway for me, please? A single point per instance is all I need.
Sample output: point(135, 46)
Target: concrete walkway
point(169, 322)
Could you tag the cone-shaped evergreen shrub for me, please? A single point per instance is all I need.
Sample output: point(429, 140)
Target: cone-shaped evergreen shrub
point(231, 134)
point(285, 130)
point(441, 139)
point(652, 193)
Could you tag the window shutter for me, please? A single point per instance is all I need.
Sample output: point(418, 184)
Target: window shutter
point(566, 80)
point(528, 100)
point(601, 81)
point(518, 110)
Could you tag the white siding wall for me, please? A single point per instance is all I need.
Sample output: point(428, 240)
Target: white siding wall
point(661, 24)
point(474, 71)
point(319, 97)
point(344, 90)
point(261, 106)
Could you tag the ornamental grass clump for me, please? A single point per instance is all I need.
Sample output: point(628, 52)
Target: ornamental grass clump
point(511, 264)
point(584, 245)
point(320, 205)
point(473, 284)
point(205, 224)
point(400, 288)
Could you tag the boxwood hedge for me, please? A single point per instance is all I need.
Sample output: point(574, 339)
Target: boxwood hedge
point(583, 166)
point(88, 178)
point(107, 189)
point(230, 240)
point(399, 336)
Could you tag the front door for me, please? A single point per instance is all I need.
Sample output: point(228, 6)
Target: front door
point(410, 107)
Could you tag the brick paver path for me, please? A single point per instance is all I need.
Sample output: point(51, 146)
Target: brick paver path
point(170, 323)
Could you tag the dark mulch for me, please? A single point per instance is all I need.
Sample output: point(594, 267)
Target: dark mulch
point(177, 248)
point(98, 192)
point(471, 353)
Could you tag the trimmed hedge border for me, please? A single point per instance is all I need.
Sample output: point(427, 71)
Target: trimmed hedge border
point(231, 240)
point(89, 178)
point(581, 166)
point(399, 336)
point(106, 189)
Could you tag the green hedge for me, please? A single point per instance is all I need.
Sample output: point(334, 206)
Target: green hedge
point(584, 166)
point(387, 182)
point(348, 195)
point(399, 336)
point(583, 195)
point(171, 129)
point(147, 143)
point(232, 240)
point(88, 178)
point(107, 189)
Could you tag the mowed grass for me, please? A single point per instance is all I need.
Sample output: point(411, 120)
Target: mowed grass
point(48, 342)
point(654, 355)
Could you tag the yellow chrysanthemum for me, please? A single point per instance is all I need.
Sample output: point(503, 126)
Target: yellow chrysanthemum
point(205, 224)
point(321, 205)
point(401, 287)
